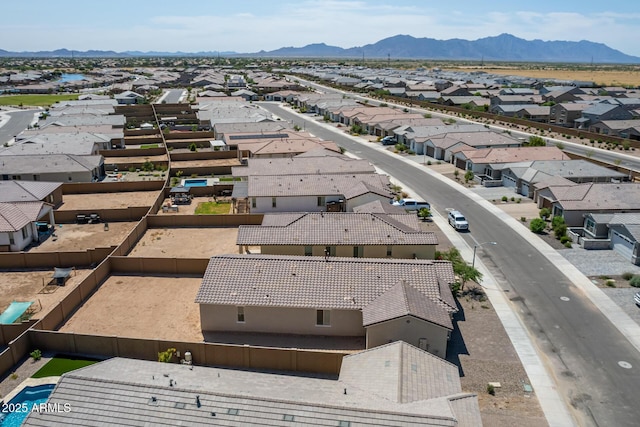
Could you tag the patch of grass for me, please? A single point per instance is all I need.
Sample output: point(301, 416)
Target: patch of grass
point(149, 146)
point(227, 179)
point(35, 100)
point(60, 365)
point(212, 208)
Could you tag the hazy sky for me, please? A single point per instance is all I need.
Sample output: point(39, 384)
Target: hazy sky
point(254, 25)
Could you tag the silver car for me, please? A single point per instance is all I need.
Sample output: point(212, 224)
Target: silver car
point(636, 298)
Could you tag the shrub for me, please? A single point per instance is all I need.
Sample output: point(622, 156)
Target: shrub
point(610, 283)
point(491, 389)
point(565, 239)
point(523, 219)
point(513, 199)
point(568, 245)
point(429, 162)
point(519, 200)
point(505, 198)
point(36, 354)
point(627, 275)
point(167, 355)
point(635, 281)
point(468, 176)
point(537, 225)
point(560, 231)
point(557, 221)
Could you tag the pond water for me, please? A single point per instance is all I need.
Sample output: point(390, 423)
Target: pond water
point(71, 78)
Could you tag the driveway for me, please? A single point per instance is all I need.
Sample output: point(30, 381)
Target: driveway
point(599, 262)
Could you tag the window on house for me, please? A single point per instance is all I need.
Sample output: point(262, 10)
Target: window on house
point(323, 317)
point(308, 251)
point(389, 250)
point(330, 250)
point(357, 251)
point(36, 177)
point(590, 226)
point(25, 232)
point(273, 202)
point(240, 315)
point(16, 177)
point(12, 241)
point(50, 198)
point(253, 202)
point(321, 201)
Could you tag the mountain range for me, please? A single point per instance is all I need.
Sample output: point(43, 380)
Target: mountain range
point(504, 47)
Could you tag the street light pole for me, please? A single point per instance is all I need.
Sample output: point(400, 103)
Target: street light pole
point(473, 262)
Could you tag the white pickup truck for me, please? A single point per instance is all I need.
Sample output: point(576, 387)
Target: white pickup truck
point(411, 204)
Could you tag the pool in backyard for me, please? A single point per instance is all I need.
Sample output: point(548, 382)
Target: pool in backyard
point(199, 182)
point(16, 410)
point(14, 311)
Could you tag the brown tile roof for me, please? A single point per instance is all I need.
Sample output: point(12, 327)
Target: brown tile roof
point(598, 196)
point(303, 166)
point(316, 185)
point(336, 228)
point(378, 206)
point(313, 282)
point(402, 300)
point(26, 191)
point(14, 216)
point(514, 154)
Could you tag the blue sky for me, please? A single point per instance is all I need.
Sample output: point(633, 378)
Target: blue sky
point(251, 25)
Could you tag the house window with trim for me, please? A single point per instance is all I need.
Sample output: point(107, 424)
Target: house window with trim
point(273, 202)
point(240, 315)
point(321, 201)
point(323, 317)
point(357, 251)
point(308, 251)
point(25, 232)
point(253, 202)
point(590, 226)
point(12, 240)
point(389, 250)
point(330, 250)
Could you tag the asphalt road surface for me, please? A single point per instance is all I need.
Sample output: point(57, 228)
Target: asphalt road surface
point(581, 347)
point(18, 122)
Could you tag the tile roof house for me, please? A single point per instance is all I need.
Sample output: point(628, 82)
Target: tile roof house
point(379, 298)
point(573, 202)
point(523, 175)
point(31, 191)
point(314, 193)
point(285, 143)
point(394, 385)
point(52, 167)
point(298, 165)
point(18, 227)
point(618, 231)
point(479, 161)
point(442, 146)
point(340, 234)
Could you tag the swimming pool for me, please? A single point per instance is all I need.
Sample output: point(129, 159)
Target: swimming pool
point(194, 182)
point(14, 412)
point(14, 311)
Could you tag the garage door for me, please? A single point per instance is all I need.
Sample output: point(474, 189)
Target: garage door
point(508, 181)
point(431, 151)
point(621, 244)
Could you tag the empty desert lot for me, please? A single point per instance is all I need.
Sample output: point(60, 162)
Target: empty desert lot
point(160, 307)
point(95, 201)
point(80, 237)
point(186, 242)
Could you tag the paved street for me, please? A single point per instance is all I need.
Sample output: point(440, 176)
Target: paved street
point(14, 122)
point(582, 347)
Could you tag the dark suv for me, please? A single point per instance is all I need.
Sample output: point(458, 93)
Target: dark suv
point(388, 140)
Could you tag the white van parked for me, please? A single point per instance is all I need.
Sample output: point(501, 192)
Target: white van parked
point(458, 221)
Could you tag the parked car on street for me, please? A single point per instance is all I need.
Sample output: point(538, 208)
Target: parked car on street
point(411, 204)
point(458, 221)
point(636, 298)
point(388, 140)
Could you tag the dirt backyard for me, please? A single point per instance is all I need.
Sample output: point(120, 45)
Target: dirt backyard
point(160, 307)
point(186, 242)
point(80, 237)
point(96, 201)
point(28, 286)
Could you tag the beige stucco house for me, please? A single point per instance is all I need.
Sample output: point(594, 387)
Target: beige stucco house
point(342, 234)
point(380, 299)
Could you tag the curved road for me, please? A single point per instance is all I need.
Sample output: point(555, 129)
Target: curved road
point(18, 121)
point(581, 346)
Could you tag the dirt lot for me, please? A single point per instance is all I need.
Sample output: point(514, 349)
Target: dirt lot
point(26, 286)
point(186, 242)
point(599, 76)
point(482, 350)
point(108, 200)
point(79, 237)
point(141, 307)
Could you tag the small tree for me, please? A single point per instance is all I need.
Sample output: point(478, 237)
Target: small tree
point(167, 355)
point(456, 173)
point(537, 225)
point(535, 141)
point(545, 213)
point(468, 176)
point(424, 213)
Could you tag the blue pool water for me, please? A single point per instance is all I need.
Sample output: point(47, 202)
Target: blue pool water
point(195, 182)
point(14, 311)
point(20, 406)
point(71, 78)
